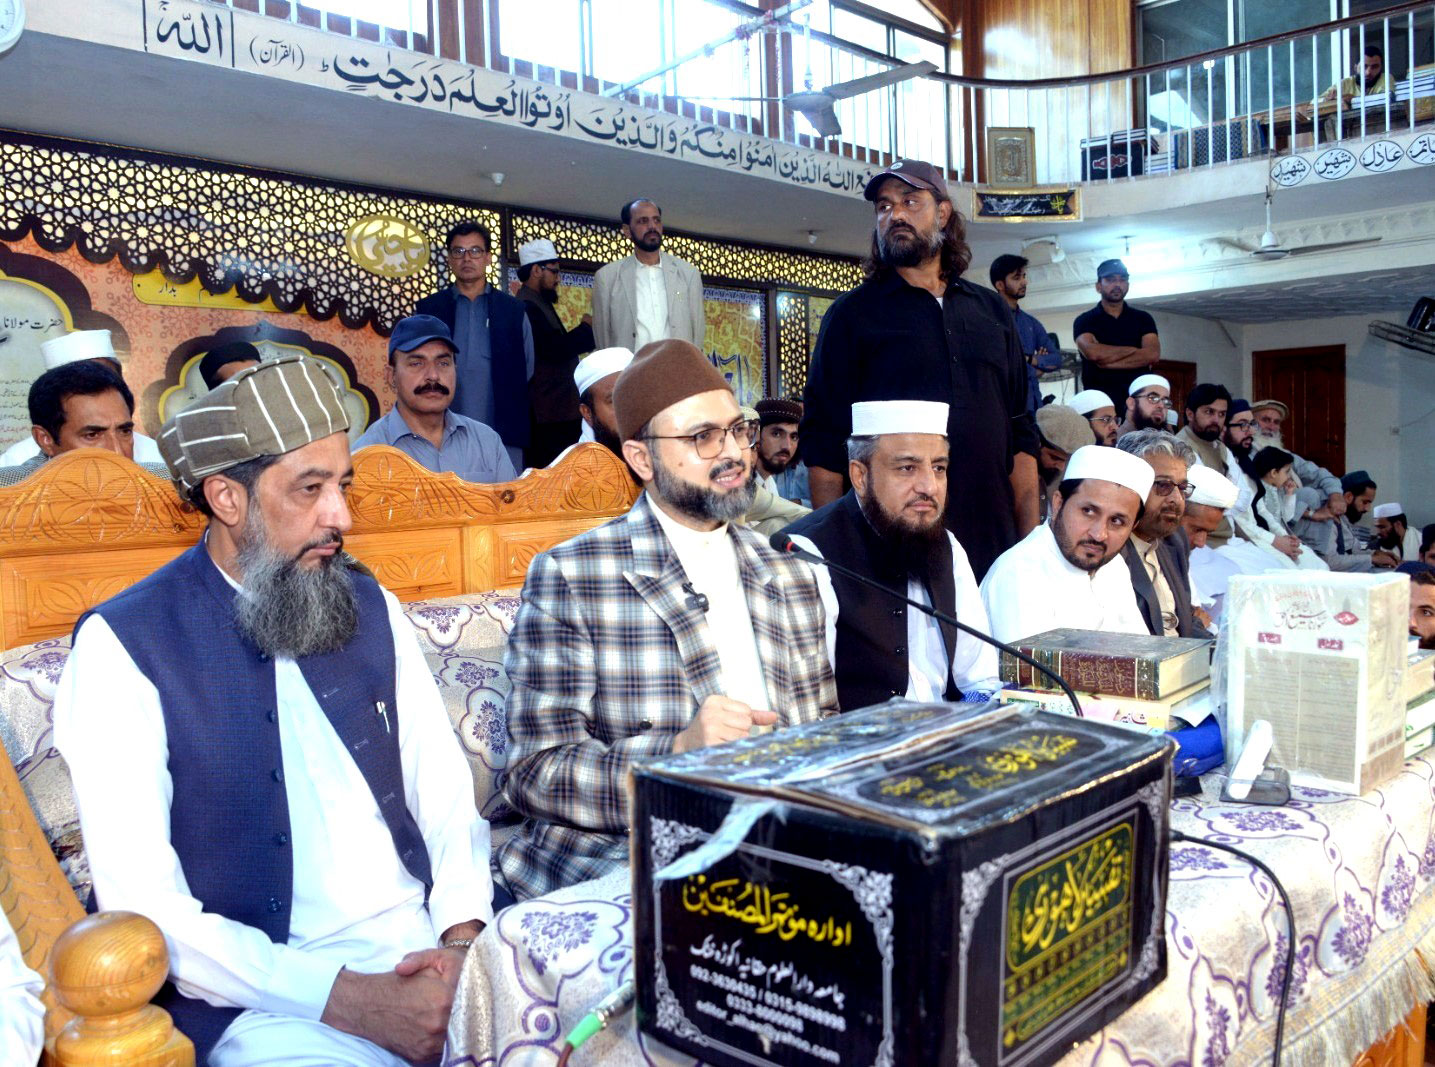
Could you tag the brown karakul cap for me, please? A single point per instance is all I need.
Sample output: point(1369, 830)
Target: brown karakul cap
point(661, 374)
point(778, 409)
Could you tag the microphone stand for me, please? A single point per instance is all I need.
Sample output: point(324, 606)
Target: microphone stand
point(784, 544)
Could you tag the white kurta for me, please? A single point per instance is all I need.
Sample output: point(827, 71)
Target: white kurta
point(354, 904)
point(1032, 588)
point(650, 305)
point(22, 1015)
point(710, 562)
point(25, 449)
point(974, 663)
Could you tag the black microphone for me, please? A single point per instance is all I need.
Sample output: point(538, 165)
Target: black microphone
point(788, 547)
point(696, 600)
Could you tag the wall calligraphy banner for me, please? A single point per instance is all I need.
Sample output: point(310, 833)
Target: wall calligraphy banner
point(221, 36)
point(1047, 205)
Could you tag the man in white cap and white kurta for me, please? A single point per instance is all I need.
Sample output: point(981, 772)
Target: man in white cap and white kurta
point(889, 527)
point(1067, 572)
point(1099, 410)
point(71, 348)
point(1393, 532)
point(552, 400)
point(1147, 404)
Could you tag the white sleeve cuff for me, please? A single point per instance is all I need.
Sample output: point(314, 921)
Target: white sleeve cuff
point(299, 983)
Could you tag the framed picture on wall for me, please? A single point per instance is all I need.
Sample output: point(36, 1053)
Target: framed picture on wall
point(1011, 157)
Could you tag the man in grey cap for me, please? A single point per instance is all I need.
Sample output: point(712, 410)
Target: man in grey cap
point(917, 330)
point(1062, 431)
point(262, 762)
point(1117, 342)
point(421, 424)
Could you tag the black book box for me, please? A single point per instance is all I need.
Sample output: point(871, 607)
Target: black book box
point(907, 884)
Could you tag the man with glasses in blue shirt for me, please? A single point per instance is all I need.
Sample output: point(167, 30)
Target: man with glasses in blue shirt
point(491, 331)
point(671, 628)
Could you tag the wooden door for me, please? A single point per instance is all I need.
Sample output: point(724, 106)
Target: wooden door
point(1182, 376)
point(1311, 382)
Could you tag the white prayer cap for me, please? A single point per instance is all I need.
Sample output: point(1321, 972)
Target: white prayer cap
point(78, 345)
point(593, 368)
point(871, 418)
point(1088, 400)
point(1388, 511)
point(1111, 465)
point(1212, 488)
point(539, 251)
point(1146, 381)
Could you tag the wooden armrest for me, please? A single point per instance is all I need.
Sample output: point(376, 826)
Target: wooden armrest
point(104, 969)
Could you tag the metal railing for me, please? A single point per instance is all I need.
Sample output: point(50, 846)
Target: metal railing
point(734, 64)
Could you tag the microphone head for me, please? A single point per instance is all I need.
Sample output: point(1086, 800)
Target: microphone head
point(781, 542)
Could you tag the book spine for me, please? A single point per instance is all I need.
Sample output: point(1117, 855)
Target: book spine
point(1119, 676)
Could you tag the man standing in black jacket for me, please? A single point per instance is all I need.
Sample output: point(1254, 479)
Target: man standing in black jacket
point(552, 396)
point(915, 330)
point(493, 338)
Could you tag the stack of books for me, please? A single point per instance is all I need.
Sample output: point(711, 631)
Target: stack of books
point(1156, 683)
point(1419, 695)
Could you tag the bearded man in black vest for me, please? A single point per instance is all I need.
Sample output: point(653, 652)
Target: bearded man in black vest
point(262, 762)
point(889, 526)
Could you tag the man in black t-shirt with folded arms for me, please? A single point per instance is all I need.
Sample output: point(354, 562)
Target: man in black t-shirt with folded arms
point(1117, 341)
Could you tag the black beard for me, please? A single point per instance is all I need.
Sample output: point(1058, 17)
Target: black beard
point(912, 252)
point(606, 437)
point(1148, 422)
point(907, 543)
point(702, 502)
point(1068, 548)
point(550, 295)
point(1391, 540)
point(650, 242)
point(1210, 433)
point(288, 610)
point(774, 467)
point(1240, 450)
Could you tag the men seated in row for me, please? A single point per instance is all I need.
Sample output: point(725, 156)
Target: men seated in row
point(889, 527)
point(1332, 536)
point(668, 629)
point(778, 468)
point(81, 347)
point(1068, 571)
point(1158, 553)
point(262, 762)
point(423, 376)
point(78, 405)
point(1099, 410)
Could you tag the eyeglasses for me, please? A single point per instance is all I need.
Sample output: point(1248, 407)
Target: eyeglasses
point(1102, 420)
point(708, 443)
point(1155, 398)
point(1163, 487)
point(1241, 424)
point(472, 252)
point(551, 267)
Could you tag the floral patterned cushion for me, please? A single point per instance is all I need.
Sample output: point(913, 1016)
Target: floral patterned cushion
point(462, 638)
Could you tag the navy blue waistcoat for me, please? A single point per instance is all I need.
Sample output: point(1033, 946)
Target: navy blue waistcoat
point(229, 820)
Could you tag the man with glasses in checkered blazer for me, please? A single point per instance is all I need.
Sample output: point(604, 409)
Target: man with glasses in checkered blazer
point(671, 628)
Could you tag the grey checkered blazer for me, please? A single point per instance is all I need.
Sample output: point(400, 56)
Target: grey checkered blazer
point(608, 664)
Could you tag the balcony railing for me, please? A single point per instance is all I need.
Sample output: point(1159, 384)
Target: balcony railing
point(1274, 95)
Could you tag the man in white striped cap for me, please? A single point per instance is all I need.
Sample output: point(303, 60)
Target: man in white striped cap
point(262, 762)
point(1067, 572)
point(1100, 411)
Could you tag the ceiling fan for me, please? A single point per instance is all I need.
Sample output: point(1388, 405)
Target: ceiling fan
point(1270, 247)
point(818, 106)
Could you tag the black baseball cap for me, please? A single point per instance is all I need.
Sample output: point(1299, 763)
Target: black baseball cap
point(217, 358)
point(915, 173)
point(1111, 266)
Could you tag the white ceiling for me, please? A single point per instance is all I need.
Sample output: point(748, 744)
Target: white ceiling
point(133, 99)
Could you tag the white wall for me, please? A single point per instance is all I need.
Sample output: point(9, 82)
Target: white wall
point(1389, 402)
